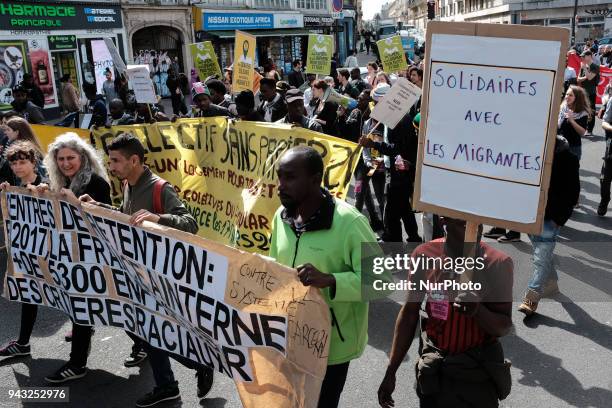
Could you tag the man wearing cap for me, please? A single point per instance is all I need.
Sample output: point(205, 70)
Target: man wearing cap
point(24, 107)
point(202, 99)
point(218, 94)
point(273, 106)
point(245, 107)
point(282, 87)
point(588, 79)
point(295, 112)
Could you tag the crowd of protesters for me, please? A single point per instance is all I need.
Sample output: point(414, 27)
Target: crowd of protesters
point(338, 105)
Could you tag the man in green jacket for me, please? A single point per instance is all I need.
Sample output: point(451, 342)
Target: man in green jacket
point(321, 237)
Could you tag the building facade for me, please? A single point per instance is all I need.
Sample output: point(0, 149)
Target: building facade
point(52, 39)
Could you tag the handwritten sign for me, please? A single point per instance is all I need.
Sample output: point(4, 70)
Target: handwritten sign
point(320, 50)
point(236, 312)
point(488, 122)
point(141, 83)
point(391, 53)
point(102, 61)
point(244, 62)
point(205, 59)
point(396, 103)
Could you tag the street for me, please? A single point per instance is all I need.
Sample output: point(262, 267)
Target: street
point(560, 357)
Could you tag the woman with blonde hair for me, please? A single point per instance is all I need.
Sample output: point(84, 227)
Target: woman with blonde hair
point(75, 168)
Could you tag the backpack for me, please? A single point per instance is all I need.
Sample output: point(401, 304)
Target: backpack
point(158, 204)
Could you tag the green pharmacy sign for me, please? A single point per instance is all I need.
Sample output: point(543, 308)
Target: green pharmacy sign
point(62, 42)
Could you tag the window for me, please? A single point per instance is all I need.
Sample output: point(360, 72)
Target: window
point(559, 21)
point(311, 4)
point(272, 3)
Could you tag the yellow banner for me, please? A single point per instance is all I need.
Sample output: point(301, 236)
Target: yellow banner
point(244, 62)
point(225, 171)
point(47, 134)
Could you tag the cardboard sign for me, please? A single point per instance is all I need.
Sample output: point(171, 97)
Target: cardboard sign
point(141, 83)
point(320, 51)
point(246, 316)
point(396, 103)
point(232, 195)
point(244, 62)
point(114, 53)
point(205, 59)
point(392, 54)
point(488, 122)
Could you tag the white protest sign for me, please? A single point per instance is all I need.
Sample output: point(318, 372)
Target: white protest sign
point(488, 122)
point(114, 53)
point(396, 103)
point(102, 60)
point(140, 81)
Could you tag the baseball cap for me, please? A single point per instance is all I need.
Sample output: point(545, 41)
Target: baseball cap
point(293, 95)
point(380, 91)
point(199, 88)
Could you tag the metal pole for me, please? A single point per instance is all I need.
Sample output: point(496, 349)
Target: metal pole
point(574, 22)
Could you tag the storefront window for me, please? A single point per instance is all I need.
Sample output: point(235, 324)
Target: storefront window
point(311, 4)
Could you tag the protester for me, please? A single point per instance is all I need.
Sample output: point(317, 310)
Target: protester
point(282, 87)
point(325, 111)
point(368, 40)
point(569, 75)
point(351, 60)
point(227, 79)
point(563, 192)
point(308, 97)
point(23, 158)
point(588, 80)
point(35, 94)
point(296, 76)
point(273, 106)
point(295, 112)
point(461, 361)
point(346, 87)
point(219, 95)
point(330, 234)
point(109, 90)
point(400, 146)
point(75, 168)
point(270, 71)
point(357, 81)
point(334, 68)
point(382, 78)
point(372, 72)
point(97, 105)
point(176, 93)
point(573, 118)
point(201, 96)
point(71, 102)
point(415, 75)
point(25, 108)
point(149, 113)
point(245, 107)
point(118, 115)
point(126, 158)
point(605, 177)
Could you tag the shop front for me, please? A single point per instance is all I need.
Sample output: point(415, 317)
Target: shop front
point(50, 40)
point(280, 36)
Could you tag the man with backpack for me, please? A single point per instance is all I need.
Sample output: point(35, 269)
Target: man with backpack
point(147, 197)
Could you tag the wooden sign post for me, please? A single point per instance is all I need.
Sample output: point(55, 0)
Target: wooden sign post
point(488, 123)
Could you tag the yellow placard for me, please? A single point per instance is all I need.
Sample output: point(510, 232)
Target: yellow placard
point(244, 62)
point(47, 134)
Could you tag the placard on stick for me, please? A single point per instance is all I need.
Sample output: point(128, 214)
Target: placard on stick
point(141, 83)
point(396, 103)
point(488, 122)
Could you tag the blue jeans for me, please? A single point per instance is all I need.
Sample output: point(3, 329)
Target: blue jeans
point(543, 247)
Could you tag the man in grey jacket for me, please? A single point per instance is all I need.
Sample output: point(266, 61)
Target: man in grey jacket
point(126, 156)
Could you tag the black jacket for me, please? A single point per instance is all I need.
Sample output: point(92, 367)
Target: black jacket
point(296, 78)
point(97, 188)
point(214, 110)
point(279, 109)
point(350, 126)
point(564, 186)
point(35, 94)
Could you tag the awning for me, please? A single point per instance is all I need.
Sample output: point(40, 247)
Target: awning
point(259, 33)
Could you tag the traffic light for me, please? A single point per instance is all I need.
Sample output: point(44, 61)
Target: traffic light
point(431, 10)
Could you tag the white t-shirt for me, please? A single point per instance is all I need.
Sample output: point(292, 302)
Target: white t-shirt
point(351, 62)
point(569, 73)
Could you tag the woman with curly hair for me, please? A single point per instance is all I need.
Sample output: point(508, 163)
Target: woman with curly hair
point(75, 168)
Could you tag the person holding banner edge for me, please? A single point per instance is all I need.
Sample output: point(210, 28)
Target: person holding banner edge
point(322, 238)
point(126, 157)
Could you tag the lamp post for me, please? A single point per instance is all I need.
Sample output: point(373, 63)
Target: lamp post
point(574, 17)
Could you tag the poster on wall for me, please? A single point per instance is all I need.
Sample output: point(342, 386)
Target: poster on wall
point(38, 52)
point(102, 60)
point(13, 64)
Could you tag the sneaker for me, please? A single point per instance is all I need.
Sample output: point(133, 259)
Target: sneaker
point(530, 303)
point(602, 209)
point(14, 349)
point(494, 233)
point(511, 236)
point(68, 372)
point(159, 394)
point(136, 357)
point(550, 289)
point(206, 379)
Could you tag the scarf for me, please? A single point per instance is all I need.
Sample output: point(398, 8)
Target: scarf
point(565, 109)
